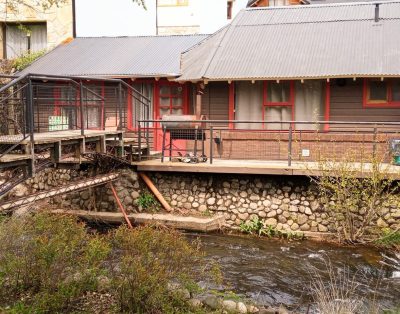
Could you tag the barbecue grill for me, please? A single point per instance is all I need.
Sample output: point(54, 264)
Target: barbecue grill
point(183, 127)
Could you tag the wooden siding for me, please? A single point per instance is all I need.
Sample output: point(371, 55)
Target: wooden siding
point(215, 101)
point(346, 104)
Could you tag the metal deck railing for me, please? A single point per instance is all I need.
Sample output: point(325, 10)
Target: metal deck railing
point(272, 140)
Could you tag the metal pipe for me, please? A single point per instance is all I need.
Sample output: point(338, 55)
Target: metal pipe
point(211, 144)
point(120, 106)
point(290, 144)
point(121, 207)
point(155, 191)
point(81, 109)
point(140, 141)
point(280, 122)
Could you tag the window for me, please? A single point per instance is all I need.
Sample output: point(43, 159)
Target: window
point(23, 38)
point(381, 93)
point(173, 3)
point(278, 100)
point(138, 110)
point(171, 99)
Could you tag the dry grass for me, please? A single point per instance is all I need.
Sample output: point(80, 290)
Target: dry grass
point(338, 294)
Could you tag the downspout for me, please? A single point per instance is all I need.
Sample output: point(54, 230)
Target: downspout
point(156, 17)
point(73, 19)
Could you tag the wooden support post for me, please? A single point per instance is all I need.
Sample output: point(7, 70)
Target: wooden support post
point(121, 207)
point(101, 145)
point(155, 191)
point(82, 146)
point(57, 153)
point(121, 149)
point(199, 93)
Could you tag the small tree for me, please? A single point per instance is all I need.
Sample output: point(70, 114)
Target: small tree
point(355, 194)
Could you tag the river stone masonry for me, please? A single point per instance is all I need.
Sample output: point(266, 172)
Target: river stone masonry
point(286, 203)
point(99, 198)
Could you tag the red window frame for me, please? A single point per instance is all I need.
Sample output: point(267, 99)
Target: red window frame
point(290, 103)
point(389, 103)
point(158, 95)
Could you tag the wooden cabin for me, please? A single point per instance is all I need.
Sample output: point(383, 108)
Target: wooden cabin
point(294, 83)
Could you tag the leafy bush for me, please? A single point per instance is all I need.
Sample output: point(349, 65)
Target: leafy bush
point(26, 59)
point(149, 260)
point(48, 263)
point(257, 226)
point(354, 202)
point(148, 202)
point(390, 238)
point(49, 258)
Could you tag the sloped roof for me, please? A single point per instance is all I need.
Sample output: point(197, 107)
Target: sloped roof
point(310, 41)
point(141, 56)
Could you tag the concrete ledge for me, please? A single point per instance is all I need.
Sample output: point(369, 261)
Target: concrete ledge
point(203, 224)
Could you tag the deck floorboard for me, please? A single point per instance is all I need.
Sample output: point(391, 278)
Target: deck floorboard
point(257, 167)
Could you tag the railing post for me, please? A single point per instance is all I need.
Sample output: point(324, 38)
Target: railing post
point(120, 106)
point(31, 123)
point(211, 144)
point(147, 126)
point(163, 144)
point(290, 145)
point(30, 110)
point(81, 108)
point(374, 143)
point(140, 141)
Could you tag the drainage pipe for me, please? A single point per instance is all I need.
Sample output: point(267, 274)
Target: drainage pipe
point(155, 191)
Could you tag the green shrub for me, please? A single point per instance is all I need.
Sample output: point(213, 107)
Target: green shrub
point(50, 259)
point(257, 226)
point(26, 59)
point(389, 238)
point(148, 202)
point(150, 259)
point(48, 263)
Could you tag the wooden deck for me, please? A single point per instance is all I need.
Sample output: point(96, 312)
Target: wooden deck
point(56, 136)
point(256, 167)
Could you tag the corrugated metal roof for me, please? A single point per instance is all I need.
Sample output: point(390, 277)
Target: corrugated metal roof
point(310, 41)
point(116, 56)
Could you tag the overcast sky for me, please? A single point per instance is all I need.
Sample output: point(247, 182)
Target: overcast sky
point(125, 18)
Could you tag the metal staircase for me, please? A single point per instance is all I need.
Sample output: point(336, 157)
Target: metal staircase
point(27, 102)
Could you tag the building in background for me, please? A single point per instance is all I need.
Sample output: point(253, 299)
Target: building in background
point(162, 17)
point(194, 16)
point(28, 27)
point(272, 3)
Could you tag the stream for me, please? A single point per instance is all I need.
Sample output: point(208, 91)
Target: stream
point(273, 272)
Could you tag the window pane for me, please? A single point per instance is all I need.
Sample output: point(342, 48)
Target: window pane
point(164, 101)
point(277, 114)
point(177, 111)
point(278, 92)
point(177, 102)
point(163, 111)
point(377, 90)
point(396, 90)
point(164, 90)
point(176, 90)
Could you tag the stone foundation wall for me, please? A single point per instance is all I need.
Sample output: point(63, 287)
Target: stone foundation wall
point(287, 203)
point(99, 198)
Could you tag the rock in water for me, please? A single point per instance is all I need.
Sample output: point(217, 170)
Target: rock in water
point(229, 305)
point(212, 302)
point(241, 308)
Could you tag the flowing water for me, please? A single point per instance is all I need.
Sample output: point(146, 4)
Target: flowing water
point(274, 272)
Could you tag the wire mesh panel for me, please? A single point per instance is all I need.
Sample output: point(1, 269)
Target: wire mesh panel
point(312, 142)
